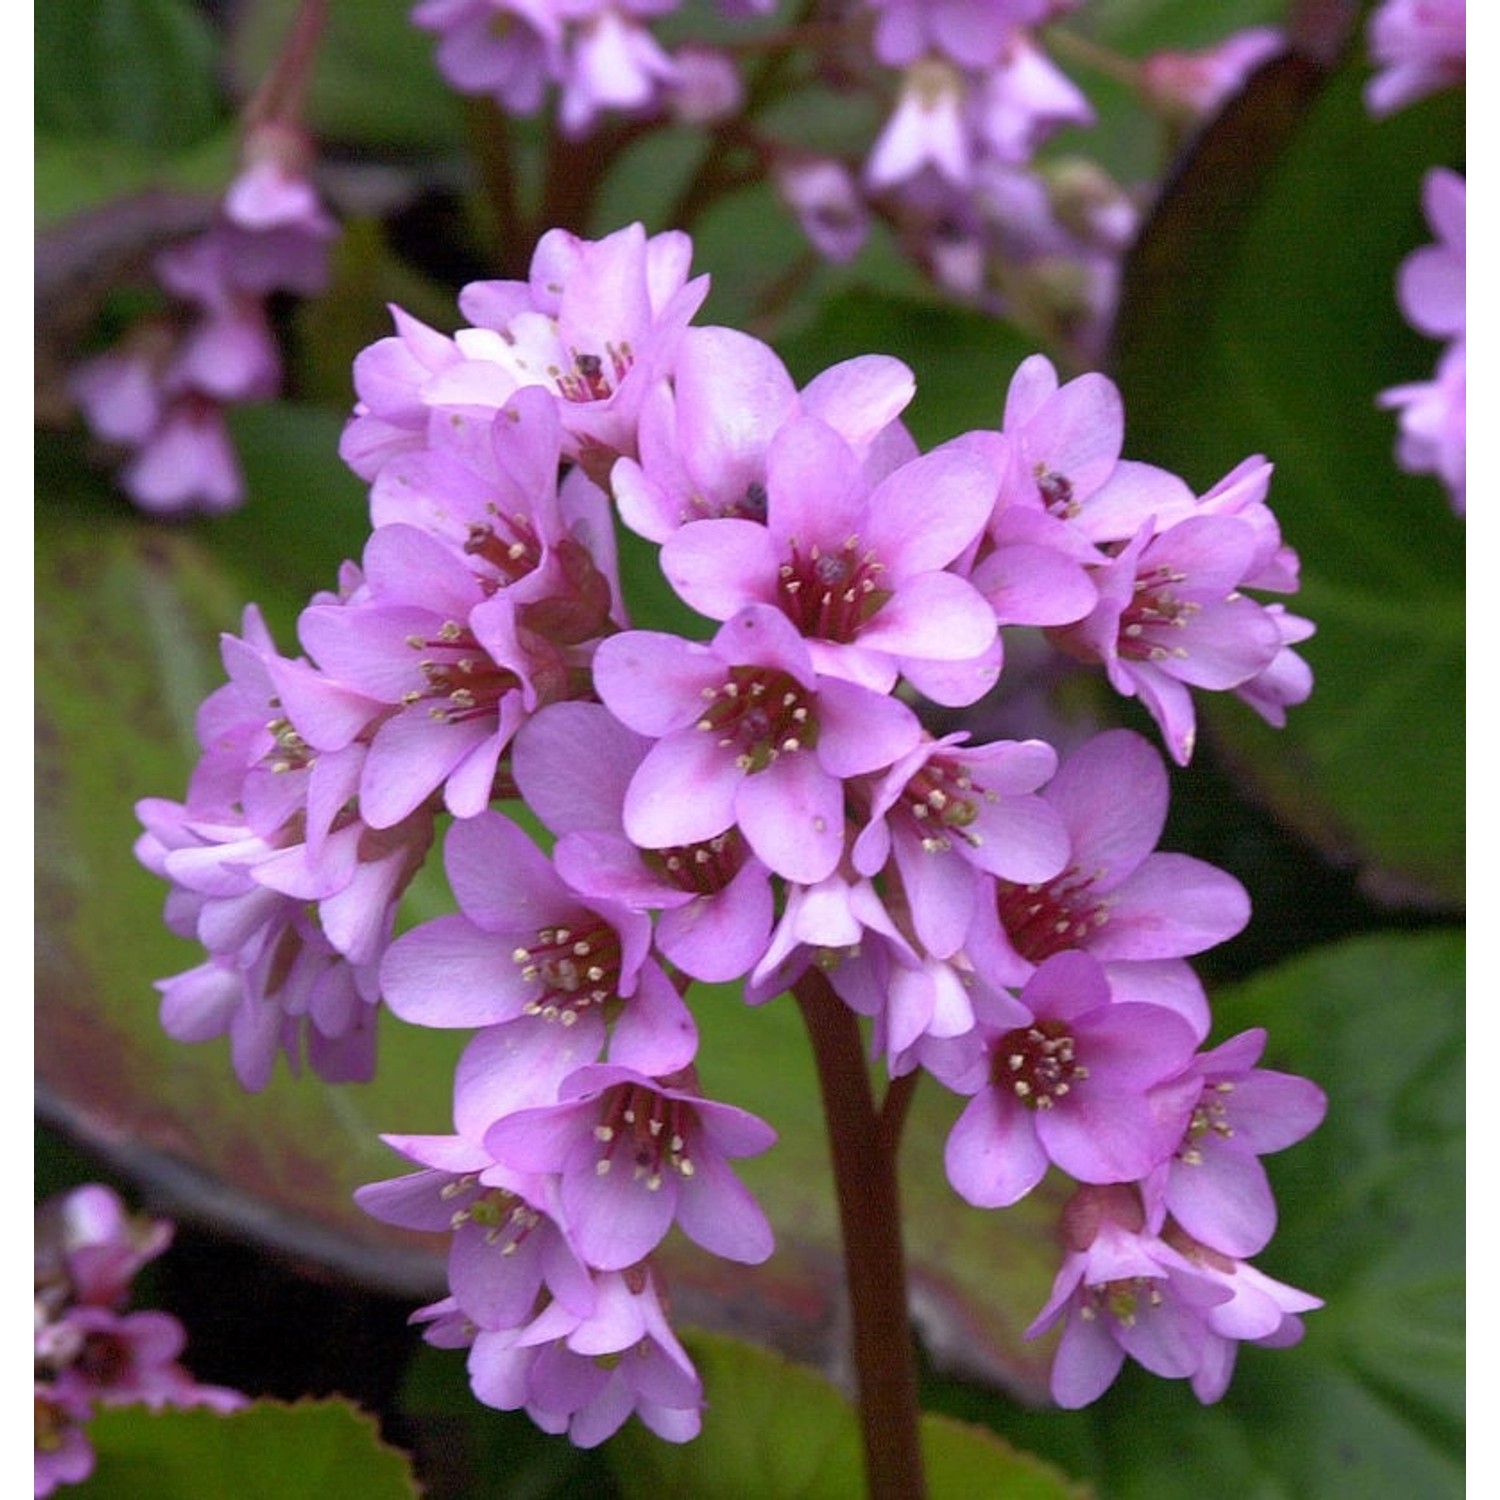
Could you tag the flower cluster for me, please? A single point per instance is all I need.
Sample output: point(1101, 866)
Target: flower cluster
point(1431, 291)
point(1421, 48)
point(162, 393)
point(960, 96)
point(89, 1351)
point(763, 805)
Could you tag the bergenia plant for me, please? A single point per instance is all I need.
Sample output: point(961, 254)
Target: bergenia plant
point(682, 676)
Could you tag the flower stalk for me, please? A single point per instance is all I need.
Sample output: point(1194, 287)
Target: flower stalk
point(864, 1168)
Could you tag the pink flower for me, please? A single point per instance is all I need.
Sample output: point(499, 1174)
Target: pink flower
point(1139, 911)
point(1171, 617)
point(861, 570)
point(596, 323)
point(827, 202)
point(507, 1247)
point(1024, 101)
point(1434, 424)
point(747, 734)
point(1431, 285)
point(586, 1375)
point(705, 435)
point(970, 33)
point(1419, 46)
point(573, 764)
point(1214, 1186)
point(1432, 293)
point(509, 49)
point(928, 129)
point(275, 871)
point(1169, 1303)
point(947, 811)
point(88, 1350)
point(1193, 86)
point(163, 394)
point(527, 951)
point(636, 1154)
point(1072, 1077)
point(614, 63)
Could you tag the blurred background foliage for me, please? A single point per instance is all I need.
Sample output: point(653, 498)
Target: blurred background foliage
point(1257, 316)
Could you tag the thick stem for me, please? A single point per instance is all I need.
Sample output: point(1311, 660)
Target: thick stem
point(864, 1169)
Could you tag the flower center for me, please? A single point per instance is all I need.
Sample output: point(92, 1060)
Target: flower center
point(831, 595)
point(1057, 492)
point(463, 681)
point(292, 752)
point(760, 713)
point(51, 1423)
point(573, 968)
point(509, 544)
point(1036, 1063)
point(1121, 1299)
point(1210, 1116)
point(646, 1129)
point(943, 801)
point(105, 1359)
point(503, 1216)
point(588, 380)
point(1041, 920)
point(1155, 609)
point(750, 507)
point(704, 869)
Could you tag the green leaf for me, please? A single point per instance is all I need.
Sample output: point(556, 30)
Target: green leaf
point(267, 1451)
point(138, 71)
point(1259, 315)
point(779, 1431)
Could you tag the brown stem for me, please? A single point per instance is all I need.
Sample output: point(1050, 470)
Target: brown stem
point(279, 97)
point(577, 167)
point(491, 144)
point(864, 1169)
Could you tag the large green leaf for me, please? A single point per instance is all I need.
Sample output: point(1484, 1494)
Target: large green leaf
point(1259, 316)
point(267, 1451)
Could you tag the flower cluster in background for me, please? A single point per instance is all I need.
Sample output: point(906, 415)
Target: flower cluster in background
point(957, 101)
point(1420, 47)
point(162, 393)
point(89, 1350)
point(763, 805)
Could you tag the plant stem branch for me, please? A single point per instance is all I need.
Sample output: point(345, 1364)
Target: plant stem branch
point(863, 1144)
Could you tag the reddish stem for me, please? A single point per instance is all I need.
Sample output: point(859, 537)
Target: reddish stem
point(863, 1140)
